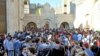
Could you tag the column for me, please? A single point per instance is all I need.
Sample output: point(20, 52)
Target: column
point(12, 18)
point(21, 14)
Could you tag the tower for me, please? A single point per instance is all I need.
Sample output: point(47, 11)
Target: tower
point(26, 6)
point(65, 6)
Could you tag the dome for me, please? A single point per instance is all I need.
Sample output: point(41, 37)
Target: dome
point(46, 5)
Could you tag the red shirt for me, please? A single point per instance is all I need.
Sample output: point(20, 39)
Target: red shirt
point(98, 43)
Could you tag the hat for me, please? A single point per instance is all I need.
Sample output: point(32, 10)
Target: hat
point(28, 36)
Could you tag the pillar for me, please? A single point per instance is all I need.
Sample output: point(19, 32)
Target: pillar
point(12, 16)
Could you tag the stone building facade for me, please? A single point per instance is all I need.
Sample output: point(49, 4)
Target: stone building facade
point(87, 12)
point(20, 14)
point(47, 14)
point(14, 14)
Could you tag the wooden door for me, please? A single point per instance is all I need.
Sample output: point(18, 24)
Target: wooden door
point(2, 16)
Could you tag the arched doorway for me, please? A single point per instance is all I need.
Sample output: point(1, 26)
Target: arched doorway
point(46, 25)
point(31, 26)
point(64, 25)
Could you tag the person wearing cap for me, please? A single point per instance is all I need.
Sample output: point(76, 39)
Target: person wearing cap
point(28, 42)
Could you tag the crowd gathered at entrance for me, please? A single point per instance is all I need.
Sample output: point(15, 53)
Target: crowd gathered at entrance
point(51, 42)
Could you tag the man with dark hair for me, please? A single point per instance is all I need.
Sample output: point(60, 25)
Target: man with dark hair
point(31, 51)
point(9, 45)
point(43, 48)
point(57, 49)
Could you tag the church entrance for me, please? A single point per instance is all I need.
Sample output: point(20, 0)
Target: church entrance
point(31, 26)
point(46, 25)
point(64, 25)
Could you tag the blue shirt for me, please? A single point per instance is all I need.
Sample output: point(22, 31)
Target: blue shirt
point(17, 44)
point(89, 52)
point(43, 46)
point(53, 45)
point(75, 37)
point(9, 45)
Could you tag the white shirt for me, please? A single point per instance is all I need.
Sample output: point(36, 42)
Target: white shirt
point(85, 40)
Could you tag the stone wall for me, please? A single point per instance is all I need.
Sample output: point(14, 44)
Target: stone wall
point(14, 15)
point(54, 22)
point(65, 18)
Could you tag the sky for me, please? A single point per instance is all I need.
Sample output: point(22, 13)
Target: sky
point(53, 3)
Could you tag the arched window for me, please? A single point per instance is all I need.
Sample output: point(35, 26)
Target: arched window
point(31, 26)
point(25, 2)
point(65, 5)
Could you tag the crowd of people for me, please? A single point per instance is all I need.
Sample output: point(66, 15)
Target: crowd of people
point(51, 42)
